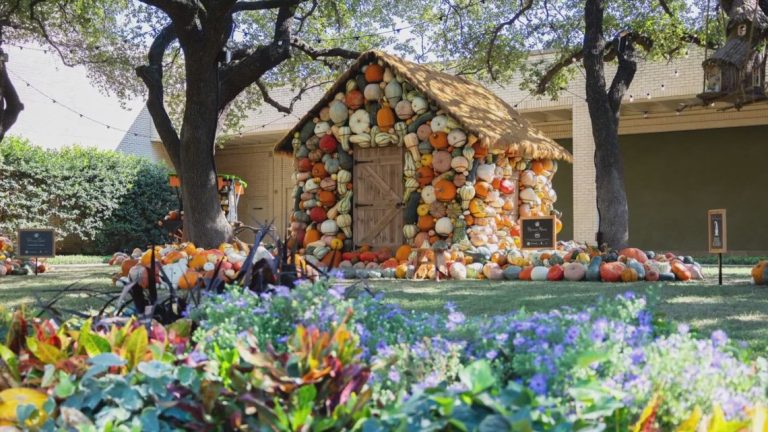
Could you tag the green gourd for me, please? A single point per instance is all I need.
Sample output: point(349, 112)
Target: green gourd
point(307, 131)
point(411, 216)
point(420, 120)
point(593, 270)
point(667, 277)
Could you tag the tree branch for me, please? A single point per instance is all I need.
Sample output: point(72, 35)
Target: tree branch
point(315, 53)
point(687, 37)
point(238, 76)
point(152, 75)
point(10, 99)
point(624, 46)
point(261, 5)
point(495, 35)
point(280, 107)
point(555, 69)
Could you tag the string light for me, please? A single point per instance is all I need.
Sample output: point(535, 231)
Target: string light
point(663, 87)
point(631, 98)
point(677, 74)
point(107, 125)
point(648, 95)
point(645, 114)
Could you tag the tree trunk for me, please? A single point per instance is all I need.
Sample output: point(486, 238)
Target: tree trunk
point(10, 104)
point(603, 105)
point(204, 221)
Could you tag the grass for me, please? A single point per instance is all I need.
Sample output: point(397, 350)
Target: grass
point(77, 259)
point(738, 307)
point(18, 290)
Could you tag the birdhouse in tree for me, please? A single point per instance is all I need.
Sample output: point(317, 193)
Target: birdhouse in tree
point(735, 73)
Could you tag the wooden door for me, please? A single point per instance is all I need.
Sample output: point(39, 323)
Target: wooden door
point(378, 197)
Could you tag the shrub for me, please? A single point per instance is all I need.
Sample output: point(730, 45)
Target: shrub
point(106, 199)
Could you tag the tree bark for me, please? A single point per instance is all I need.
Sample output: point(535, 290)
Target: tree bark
point(10, 104)
point(604, 105)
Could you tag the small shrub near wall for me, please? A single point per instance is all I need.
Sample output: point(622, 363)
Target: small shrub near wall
point(103, 199)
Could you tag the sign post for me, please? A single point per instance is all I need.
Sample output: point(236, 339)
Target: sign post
point(37, 243)
point(718, 237)
point(538, 233)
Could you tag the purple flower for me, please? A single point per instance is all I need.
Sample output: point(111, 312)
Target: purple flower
point(683, 329)
point(454, 319)
point(571, 335)
point(394, 375)
point(492, 354)
point(282, 291)
point(538, 384)
point(637, 356)
point(518, 340)
point(719, 338)
point(337, 291)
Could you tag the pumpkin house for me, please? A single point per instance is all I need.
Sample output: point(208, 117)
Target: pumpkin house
point(396, 153)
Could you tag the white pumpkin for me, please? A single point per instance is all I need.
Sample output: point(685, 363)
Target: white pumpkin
point(457, 138)
point(372, 92)
point(539, 273)
point(444, 226)
point(338, 112)
point(458, 271)
point(410, 231)
point(529, 195)
point(486, 172)
point(528, 178)
point(393, 92)
point(428, 194)
point(311, 185)
point(322, 128)
point(329, 227)
point(466, 192)
point(460, 164)
point(343, 176)
point(360, 122)
point(419, 105)
point(404, 110)
point(439, 124)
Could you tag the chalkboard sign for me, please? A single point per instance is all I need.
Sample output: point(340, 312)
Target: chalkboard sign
point(37, 243)
point(718, 238)
point(538, 233)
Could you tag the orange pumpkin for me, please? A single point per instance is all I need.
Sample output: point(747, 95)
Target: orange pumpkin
point(188, 280)
point(499, 258)
point(390, 264)
point(469, 219)
point(680, 271)
point(311, 235)
point(424, 176)
point(537, 166)
point(482, 189)
point(525, 273)
point(385, 118)
point(426, 223)
point(126, 266)
point(318, 170)
point(759, 272)
point(326, 198)
point(439, 140)
point(374, 73)
point(481, 151)
point(635, 253)
point(629, 275)
point(445, 190)
point(355, 99)
point(403, 252)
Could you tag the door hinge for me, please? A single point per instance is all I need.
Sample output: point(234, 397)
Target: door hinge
point(360, 162)
point(363, 205)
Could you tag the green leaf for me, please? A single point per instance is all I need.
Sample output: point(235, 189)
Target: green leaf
point(477, 376)
point(494, 423)
point(135, 346)
point(44, 352)
point(65, 388)
point(11, 360)
point(587, 358)
point(92, 343)
point(182, 327)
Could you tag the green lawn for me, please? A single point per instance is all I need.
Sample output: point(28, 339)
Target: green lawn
point(737, 307)
point(18, 290)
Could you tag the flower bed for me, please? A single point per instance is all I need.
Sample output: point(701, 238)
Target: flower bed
point(10, 265)
point(316, 357)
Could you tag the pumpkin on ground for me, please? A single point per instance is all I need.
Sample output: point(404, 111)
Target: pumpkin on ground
point(629, 275)
point(539, 273)
point(525, 274)
point(680, 271)
point(635, 253)
point(402, 253)
point(555, 273)
point(760, 273)
point(574, 271)
point(611, 272)
point(512, 272)
point(458, 271)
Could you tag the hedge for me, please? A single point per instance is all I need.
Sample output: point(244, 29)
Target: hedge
point(103, 200)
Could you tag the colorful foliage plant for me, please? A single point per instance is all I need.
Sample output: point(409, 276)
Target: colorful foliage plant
point(317, 358)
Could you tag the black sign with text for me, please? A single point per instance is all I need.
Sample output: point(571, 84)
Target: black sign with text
point(37, 243)
point(538, 233)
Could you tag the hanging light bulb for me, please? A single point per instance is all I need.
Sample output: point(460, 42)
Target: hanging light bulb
point(677, 73)
point(648, 95)
point(645, 114)
point(663, 87)
point(631, 98)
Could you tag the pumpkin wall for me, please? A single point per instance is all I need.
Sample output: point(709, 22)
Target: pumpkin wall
point(454, 190)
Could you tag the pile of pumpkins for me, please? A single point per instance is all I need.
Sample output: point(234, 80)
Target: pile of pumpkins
point(760, 273)
point(454, 189)
point(14, 266)
point(184, 264)
point(571, 262)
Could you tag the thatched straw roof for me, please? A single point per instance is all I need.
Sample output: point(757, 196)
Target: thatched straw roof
point(477, 109)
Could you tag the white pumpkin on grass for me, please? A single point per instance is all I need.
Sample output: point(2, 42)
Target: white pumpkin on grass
point(458, 271)
point(539, 273)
